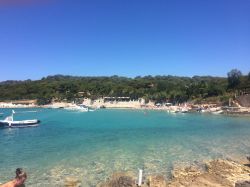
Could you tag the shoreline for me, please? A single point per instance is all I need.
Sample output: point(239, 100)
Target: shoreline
point(227, 111)
point(219, 172)
point(209, 173)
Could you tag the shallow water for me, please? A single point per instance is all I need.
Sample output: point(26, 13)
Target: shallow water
point(92, 145)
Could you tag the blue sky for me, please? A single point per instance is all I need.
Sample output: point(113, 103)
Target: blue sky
point(123, 37)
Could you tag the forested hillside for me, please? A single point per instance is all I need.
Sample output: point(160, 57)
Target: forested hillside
point(157, 88)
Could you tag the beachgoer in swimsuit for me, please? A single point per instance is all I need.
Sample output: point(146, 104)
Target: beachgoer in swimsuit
point(19, 180)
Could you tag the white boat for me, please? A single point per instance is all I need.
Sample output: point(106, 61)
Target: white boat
point(9, 122)
point(173, 111)
point(218, 112)
point(81, 108)
point(184, 110)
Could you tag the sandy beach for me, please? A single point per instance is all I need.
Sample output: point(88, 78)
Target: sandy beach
point(136, 104)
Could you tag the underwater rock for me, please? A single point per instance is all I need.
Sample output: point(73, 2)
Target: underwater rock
point(242, 184)
point(228, 169)
point(72, 182)
point(119, 180)
point(156, 181)
point(218, 173)
point(183, 172)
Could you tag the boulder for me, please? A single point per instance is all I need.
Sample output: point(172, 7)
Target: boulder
point(218, 173)
point(182, 172)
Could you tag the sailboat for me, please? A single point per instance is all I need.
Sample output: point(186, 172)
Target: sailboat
point(10, 122)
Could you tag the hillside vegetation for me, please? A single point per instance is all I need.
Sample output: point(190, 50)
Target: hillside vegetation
point(157, 88)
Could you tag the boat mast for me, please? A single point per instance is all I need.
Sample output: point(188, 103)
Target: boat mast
point(13, 112)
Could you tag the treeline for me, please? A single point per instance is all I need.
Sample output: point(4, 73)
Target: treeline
point(158, 88)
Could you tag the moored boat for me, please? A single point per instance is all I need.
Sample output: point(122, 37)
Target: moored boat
point(81, 108)
point(10, 122)
point(218, 112)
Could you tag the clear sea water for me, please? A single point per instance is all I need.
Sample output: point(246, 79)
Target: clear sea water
point(92, 145)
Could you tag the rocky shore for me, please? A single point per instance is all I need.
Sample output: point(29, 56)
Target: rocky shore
point(224, 173)
point(214, 173)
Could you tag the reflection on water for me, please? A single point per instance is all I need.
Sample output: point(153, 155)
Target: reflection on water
point(91, 146)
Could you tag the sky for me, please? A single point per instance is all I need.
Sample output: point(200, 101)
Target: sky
point(123, 37)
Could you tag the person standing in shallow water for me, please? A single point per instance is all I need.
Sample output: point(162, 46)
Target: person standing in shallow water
point(19, 180)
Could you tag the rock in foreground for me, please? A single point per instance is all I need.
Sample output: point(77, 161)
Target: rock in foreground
point(119, 180)
point(217, 173)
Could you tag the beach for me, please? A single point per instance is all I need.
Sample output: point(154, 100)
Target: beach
point(215, 108)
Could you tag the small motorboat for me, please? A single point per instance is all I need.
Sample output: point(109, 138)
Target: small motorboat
point(218, 112)
point(80, 108)
point(83, 108)
point(9, 122)
point(184, 110)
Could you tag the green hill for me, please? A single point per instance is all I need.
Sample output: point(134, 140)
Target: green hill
point(158, 88)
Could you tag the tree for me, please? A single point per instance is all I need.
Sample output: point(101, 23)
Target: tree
point(249, 76)
point(233, 78)
point(43, 101)
point(157, 88)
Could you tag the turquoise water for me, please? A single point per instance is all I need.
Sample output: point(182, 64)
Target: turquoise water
point(93, 145)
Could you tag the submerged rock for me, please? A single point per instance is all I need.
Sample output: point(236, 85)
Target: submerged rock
point(230, 170)
point(217, 173)
point(72, 182)
point(242, 184)
point(156, 181)
point(248, 158)
point(127, 180)
point(119, 180)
